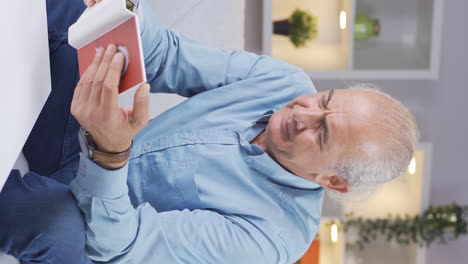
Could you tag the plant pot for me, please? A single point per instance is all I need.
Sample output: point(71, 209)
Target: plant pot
point(281, 27)
point(366, 28)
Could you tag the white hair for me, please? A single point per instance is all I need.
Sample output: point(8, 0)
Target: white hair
point(371, 165)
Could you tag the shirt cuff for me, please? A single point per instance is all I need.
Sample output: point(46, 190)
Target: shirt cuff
point(99, 182)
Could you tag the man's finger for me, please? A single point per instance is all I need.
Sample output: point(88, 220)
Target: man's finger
point(84, 85)
point(101, 73)
point(141, 104)
point(110, 90)
point(89, 2)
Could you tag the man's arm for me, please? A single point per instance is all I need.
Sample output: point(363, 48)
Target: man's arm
point(118, 233)
point(177, 64)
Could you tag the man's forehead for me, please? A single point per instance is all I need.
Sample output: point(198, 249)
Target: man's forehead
point(352, 121)
point(358, 103)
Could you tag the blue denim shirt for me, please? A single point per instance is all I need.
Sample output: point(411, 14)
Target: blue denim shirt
point(202, 192)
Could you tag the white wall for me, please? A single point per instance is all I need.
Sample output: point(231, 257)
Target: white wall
point(23, 97)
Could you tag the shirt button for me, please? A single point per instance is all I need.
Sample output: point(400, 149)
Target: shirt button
point(248, 160)
point(192, 138)
point(147, 147)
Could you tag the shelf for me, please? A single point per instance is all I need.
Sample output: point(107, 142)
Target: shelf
point(404, 42)
point(330, 251)
point(407, 194)
point(406, 48)
point(331, 50)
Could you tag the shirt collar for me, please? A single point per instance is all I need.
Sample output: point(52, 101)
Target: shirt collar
point(269, 167)
point(258, 126)
point(263, 163)
point(265, 117)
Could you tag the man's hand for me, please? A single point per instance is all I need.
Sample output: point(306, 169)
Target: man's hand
point(91, 2)
point(95, 103)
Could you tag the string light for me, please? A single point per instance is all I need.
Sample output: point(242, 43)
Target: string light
point(334, 233)
point(412, 166)
point(343, 20)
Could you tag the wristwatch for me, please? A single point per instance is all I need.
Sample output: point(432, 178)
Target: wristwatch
point(112, 160)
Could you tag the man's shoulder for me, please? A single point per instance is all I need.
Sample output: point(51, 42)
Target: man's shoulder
point(303, 82)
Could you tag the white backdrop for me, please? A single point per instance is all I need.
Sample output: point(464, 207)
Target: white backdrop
point(24, 80)
point(24, 76)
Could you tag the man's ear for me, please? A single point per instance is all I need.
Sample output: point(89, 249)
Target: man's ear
point(332, 182)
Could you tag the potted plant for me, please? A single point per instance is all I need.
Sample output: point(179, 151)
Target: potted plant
point(300, 27)
point(436, 224)
point(366, 28)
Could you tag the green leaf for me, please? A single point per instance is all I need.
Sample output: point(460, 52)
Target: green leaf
point(302, 27)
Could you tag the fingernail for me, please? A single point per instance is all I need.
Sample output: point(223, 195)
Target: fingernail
point(88, 2)
point(118, 57)
point(99, 51)
point(146, 90)
point(110, 49)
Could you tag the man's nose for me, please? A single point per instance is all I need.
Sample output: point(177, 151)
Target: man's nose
point(308, 118)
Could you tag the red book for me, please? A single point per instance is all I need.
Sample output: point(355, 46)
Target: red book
point(110, 22)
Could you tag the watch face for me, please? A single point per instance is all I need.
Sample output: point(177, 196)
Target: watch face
point(84, 144)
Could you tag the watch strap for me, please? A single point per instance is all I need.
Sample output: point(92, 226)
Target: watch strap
point(111, 160)
point(111, 157)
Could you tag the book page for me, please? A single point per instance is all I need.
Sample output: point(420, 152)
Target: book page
point(24, 76)
point(97, 21)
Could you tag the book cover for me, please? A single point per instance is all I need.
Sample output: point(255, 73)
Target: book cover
point(110, 22)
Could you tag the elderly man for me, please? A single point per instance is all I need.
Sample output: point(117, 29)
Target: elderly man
point(235, 174)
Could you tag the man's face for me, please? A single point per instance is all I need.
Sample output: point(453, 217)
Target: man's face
point(311, 133)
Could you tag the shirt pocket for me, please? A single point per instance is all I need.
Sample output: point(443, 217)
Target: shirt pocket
point(163, 170)
point(169, 183)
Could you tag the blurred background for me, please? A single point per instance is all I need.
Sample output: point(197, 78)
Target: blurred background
point(415, 50)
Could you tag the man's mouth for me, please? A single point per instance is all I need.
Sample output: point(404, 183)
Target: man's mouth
point(284, 129)
point(287, 127)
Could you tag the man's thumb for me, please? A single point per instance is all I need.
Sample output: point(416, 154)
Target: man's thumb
point(141, 105)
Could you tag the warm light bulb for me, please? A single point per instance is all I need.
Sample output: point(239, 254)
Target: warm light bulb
point(334, 233)
point(412, 166)
point(453, 218)
point(343, 20)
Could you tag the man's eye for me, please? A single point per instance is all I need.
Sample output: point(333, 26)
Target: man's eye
point(322, 102)
point(323, 133)
point(320, 138)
